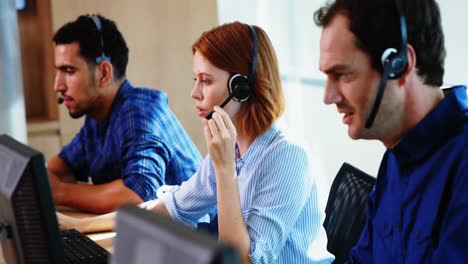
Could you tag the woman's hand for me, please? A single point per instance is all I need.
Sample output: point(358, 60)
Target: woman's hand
point(221, 136)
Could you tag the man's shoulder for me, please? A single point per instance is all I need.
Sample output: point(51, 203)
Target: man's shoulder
point(141, 107)
point(142, 99)
point(138, 94)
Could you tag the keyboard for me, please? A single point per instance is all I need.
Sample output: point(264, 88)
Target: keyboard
point(81, 249)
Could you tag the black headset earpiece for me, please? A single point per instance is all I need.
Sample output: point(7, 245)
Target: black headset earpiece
point(103, 56)
point(240, 85)
point(394, 64)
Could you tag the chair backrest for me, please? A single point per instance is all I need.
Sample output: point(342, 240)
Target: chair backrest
point(346, 210)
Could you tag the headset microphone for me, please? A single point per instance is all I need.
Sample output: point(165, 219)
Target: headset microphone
point(239, 85)
point(240, 91)
point(394, 64)
point(60, 100)
point(210, 115)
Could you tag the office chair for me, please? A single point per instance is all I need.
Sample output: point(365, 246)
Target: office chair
point(346, 210)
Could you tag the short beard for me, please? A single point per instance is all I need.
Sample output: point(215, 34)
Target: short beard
point(87, 110)
point(76, 115)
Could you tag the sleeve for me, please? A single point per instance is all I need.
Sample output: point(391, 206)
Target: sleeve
point(282, 193)
point(74, 154)
point(144, 155)
point(362, 252)
point(454, 230)
point(195, 198)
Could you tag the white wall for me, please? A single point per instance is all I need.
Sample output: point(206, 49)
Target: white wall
point(455, 26)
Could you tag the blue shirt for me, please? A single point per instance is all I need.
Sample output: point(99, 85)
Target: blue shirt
point(140, 141)
point(278, 199)
point(418, 210)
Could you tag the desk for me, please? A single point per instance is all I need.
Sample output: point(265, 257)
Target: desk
point(104, 239)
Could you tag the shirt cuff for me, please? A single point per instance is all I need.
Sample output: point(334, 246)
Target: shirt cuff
point(169, 201)
point(256, 254)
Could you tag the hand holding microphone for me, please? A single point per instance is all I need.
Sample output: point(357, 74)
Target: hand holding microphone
point(221, 137)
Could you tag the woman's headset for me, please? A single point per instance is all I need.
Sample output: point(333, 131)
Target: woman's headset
point(239, 85)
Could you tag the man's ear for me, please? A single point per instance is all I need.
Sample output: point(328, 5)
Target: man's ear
point(105, 73)
point(411, 57)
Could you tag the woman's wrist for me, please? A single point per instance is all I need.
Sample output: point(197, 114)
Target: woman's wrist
point(225, 172)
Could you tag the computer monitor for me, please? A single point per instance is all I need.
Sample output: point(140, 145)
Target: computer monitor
point(146, 237)
point(27, 212)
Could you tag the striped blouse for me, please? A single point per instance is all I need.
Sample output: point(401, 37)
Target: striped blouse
point(278, 198)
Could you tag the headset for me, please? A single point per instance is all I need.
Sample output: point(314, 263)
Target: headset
point(394, 64)
point(103, 56)
point(239, 86)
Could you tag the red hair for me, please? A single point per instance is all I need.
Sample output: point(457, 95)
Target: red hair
point(229, 47)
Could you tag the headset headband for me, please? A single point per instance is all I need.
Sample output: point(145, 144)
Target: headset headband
point(103, 56)
point(253, 69)
point(394, 67)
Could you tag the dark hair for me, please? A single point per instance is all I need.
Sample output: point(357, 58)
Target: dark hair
point(229, 47)
point(84, 31)
point(376, 26)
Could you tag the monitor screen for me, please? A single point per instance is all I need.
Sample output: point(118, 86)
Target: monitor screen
point(146, 237)
point(27, 211)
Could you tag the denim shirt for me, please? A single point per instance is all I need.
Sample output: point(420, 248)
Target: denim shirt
point(140, 141)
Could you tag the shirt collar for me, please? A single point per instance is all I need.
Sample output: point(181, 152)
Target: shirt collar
point(118, 101)
point(443, 122)
point(262, 141)
point(123, 90)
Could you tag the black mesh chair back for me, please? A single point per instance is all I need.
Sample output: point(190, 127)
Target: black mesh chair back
point(346, 210)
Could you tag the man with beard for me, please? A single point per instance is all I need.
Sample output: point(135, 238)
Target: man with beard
point(131, 142)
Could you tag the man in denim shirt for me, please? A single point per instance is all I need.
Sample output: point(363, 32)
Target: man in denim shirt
point(131, 143)
point(384, 61)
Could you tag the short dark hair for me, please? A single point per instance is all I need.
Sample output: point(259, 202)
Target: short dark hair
point(84, 31)
point(376, 26)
